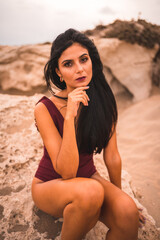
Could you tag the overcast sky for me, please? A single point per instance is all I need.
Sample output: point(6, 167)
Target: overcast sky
point(37, 21)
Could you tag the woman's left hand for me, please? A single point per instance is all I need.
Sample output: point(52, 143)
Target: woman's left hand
point(142, 219)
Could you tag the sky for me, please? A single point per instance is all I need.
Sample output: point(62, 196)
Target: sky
point(38, 21)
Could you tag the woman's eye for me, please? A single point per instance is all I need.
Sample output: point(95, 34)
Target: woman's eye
point(84, 59)
point(68, 64)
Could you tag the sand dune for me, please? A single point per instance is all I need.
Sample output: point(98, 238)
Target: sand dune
point(139, 146)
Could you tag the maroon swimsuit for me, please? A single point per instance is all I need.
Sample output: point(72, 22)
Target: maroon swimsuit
point(45, 171)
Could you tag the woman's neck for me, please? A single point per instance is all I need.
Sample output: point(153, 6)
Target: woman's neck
point(65, 92)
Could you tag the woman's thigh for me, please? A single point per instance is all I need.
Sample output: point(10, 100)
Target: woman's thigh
point(53, 196)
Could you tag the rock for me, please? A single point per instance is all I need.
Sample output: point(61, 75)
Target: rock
point(21, 151)
point(130, 64)
point(127, 66)
point(114, 83)
point(156, 69)
point(21, 68)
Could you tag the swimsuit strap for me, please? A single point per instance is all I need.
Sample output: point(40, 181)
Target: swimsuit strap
point(50, 106)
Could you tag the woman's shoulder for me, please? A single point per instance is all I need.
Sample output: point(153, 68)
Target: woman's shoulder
point(39, 104)
point(52, 104)
point(45, 109)
point(42, 105)
point(39, 108)
point(55, 105)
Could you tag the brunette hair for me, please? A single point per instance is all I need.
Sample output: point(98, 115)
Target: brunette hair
point(96, 122)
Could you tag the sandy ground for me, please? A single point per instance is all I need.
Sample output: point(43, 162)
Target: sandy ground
point(138, 135)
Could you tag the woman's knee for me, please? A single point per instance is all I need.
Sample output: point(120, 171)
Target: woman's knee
point(126, 212)
point(90, 196)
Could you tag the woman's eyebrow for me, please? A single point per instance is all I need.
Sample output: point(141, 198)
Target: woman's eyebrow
point(71, 59)
point(83, 55)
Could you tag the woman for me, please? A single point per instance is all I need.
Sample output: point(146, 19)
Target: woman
point(75, 123)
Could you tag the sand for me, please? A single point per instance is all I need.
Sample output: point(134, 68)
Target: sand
point(138, 135)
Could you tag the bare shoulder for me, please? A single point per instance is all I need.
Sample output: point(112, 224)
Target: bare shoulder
point(41, 112)
point(40, 107)
point(42, 117)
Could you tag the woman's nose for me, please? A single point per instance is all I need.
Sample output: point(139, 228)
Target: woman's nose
point(79, 67)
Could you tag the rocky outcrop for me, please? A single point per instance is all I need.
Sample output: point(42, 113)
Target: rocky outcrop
point(135, 63)
point(130, 64)
point(21, 68)
point(21, 150)
point(129, 52)
point(135, 32)
point(156, 69)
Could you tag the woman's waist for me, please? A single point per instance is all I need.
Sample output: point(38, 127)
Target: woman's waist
point(47, 172)
point(84, 158)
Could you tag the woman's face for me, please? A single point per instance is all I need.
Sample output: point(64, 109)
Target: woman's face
point(75, 67)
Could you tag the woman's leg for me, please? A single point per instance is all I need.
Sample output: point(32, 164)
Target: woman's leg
point(119, 212)
point(78, 200)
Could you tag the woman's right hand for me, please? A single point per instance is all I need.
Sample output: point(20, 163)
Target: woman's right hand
point(75, 97)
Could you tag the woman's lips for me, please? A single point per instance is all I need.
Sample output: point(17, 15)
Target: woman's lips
point(81, 79)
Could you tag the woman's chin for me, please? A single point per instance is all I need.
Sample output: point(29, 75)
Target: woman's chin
point(82, 84)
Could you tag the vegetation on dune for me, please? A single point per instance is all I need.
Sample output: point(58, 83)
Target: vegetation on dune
point(140, 31)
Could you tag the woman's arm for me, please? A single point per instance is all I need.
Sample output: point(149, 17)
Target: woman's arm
point(62, 151)
point(113, 161)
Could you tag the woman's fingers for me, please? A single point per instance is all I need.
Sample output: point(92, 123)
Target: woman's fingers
point(82, 98)
point(76, 97)
point(86, 96)
point(78, 90)
point(79, 94)
point(142, 219)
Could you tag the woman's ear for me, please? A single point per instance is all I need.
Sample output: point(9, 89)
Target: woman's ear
point(58, 72)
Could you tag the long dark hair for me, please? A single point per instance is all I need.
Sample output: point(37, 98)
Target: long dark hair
point(96, 122)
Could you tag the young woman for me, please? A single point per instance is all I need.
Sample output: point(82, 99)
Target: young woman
point(75, 123)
